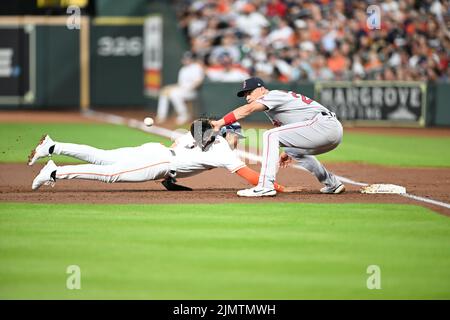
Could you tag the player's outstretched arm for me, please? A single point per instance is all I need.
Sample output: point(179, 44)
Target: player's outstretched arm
point(252, 177)
point(237, 114)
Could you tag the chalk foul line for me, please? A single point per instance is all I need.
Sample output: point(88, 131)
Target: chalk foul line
point(171, 134)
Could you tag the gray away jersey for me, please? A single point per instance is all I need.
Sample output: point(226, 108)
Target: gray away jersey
point(289, 107)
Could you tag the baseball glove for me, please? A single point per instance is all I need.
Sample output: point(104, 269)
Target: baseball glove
point(203, 132)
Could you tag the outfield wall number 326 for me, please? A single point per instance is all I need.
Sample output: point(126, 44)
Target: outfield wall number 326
point(119, 46)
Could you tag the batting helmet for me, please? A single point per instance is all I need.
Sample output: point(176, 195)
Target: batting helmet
point(233, 128)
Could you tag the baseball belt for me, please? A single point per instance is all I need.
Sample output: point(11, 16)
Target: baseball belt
point(330, 114)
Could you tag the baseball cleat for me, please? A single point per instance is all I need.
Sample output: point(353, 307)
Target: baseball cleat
point(42, 149)
point(45, 176)
point(257, 192)
point(340, 188)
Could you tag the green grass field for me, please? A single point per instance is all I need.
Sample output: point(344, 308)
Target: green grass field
point(387, 150)
point(392, 150)
point(18, 139)
point(266, 251)
point(223, 251)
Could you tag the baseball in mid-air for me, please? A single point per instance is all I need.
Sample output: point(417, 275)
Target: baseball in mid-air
point(148, 121)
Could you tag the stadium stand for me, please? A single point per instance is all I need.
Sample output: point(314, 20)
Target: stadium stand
point(304, 40)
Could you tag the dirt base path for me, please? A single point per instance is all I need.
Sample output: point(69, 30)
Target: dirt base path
point(218, 186)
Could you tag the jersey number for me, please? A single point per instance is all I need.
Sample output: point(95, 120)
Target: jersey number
point(298, 96)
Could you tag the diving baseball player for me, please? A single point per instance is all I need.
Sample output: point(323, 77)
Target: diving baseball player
point(196, 151)
point(303, 127)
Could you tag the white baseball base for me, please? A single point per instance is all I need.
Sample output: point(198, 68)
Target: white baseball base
point(383, 188)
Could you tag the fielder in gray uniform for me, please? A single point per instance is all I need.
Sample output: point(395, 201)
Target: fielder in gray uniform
point(303, 127)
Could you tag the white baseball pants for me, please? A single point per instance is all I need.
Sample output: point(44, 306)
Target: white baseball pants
point(177, 95)
point(150, 161)
point(301, 140)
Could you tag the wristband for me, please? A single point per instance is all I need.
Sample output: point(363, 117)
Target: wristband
point(229, 118)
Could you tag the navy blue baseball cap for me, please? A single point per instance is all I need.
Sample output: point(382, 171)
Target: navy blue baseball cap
point(234, 128)
point(250, 84)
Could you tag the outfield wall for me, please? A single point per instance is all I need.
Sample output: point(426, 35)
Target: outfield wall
point(101, 66)
point(217, 99)
point(439, 104)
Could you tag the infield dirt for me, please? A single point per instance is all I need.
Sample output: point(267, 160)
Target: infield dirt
point(219, 186)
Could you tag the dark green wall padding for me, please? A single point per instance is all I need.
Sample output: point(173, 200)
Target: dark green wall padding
point(439, 104)
point(57, 67)
point(123, 8)
point(217, 99)
point(116, 80)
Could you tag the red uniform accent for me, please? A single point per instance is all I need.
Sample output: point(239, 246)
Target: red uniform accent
point(229, 118)
point(252, 177)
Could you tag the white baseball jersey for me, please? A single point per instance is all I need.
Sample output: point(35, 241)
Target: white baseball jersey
point(190, 74)
point(235, 74)
point(190, 159)
point(289, 107)
point(150, 161)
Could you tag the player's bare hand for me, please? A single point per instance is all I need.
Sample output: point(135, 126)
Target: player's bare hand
point(285, 160)
point(293, 189)
point(216, 125)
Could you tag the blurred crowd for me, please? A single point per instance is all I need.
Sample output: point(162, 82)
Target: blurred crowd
point(308, 40)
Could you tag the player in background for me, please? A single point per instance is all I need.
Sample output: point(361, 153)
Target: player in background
point(150, 161)
point(190, 77)
point(303, 127)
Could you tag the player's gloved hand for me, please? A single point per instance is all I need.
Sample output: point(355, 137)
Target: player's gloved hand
point(169, 184)
point(285, 160)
